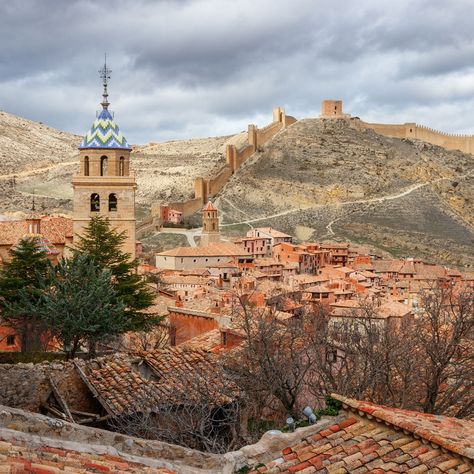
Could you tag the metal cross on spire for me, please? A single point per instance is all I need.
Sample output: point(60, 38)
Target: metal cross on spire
point(104, 74)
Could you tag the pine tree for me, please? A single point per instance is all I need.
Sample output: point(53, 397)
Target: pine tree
point(79, 304)
point(104, 245)
point(20, 278)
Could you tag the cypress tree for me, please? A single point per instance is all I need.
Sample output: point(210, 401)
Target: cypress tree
point(19, 278)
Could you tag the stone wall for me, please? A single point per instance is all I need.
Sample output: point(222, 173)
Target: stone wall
point(27, 386)
point(39, 430)
point(187, 324)
point(464, 143)
point(204, 188)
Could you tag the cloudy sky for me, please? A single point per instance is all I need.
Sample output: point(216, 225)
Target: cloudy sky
point(196, 68)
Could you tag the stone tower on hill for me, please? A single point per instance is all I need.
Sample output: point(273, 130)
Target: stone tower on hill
point(105, 184)
point(210, 225)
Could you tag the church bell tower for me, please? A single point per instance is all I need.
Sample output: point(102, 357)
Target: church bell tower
point(105, 184)
point(210, 225)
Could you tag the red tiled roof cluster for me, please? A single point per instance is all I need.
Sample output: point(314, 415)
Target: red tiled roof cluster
point(53, 228)
point(19, 457)
point(378, 440)
point(454, 434)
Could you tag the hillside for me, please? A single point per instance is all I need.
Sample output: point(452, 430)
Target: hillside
point(322, 179)
point(318, 179)
point(43, 160)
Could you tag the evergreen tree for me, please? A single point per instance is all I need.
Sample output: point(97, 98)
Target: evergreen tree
point(20, 282)
point(104, 245)
point(79, 304)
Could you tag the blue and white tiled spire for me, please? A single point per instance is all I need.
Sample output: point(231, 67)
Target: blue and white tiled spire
point(104, 132)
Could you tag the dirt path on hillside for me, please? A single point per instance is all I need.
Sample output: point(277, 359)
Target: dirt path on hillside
point(24, 174)
point(388, 197)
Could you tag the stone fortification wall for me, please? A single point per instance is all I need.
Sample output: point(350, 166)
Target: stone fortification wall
point(205, 188)
point(217, 183)
point(450, 141)
point(464, 143)
point(389, 130)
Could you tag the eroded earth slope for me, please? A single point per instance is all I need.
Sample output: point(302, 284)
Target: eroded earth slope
point(324, 179)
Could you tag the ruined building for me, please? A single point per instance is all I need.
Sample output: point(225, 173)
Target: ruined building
point(105, 184)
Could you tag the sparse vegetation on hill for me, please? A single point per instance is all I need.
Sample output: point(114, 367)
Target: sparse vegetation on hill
point(43, 160)
point(406, 197)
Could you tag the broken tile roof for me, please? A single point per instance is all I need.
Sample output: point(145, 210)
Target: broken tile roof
point(169, 376)
point(377, 439)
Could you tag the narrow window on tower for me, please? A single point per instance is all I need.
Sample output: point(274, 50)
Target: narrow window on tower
point(112, 202)
point(86, 166)
point(95, 202)
point(122, 166)
point(103, 166)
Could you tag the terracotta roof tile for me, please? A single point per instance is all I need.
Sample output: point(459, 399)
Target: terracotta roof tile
point(456, 435)
point(168, 376)
point(359, 444)
point(19, 457)
point(53, 228)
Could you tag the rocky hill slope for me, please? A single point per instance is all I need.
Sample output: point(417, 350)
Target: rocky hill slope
point(319, 179)
point(37, 163)
point(323, 179)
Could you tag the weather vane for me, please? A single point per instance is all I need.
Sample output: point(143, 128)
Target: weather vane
point(104, 74)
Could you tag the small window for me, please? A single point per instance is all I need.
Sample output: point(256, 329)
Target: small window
point(11, 340)
point(95, 202)
point(121, 166)
point(86, 166)
point(112, 202)
point(104, 166)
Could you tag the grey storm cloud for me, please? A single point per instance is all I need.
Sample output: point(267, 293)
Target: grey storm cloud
point(189, 68)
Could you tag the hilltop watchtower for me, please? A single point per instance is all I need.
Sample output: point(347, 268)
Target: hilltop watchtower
point(105, 184)
point(332, 109)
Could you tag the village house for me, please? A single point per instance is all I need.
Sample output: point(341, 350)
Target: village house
point(272, 236)
point(339, 252)
point(53, 233)
point(186, 258)
point(297, 254)
point(170, 216)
